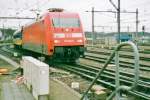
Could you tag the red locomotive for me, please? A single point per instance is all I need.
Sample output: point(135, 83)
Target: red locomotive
point(57, 34)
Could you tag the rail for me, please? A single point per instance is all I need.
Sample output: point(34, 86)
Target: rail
point(115, 54)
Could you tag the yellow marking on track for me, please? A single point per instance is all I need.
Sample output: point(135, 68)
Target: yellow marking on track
point(3, 70)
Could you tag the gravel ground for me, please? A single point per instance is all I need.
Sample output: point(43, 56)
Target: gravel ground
point(69, 78)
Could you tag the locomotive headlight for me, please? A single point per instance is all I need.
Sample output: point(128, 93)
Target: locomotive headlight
point(79, 40)
point(56, 41)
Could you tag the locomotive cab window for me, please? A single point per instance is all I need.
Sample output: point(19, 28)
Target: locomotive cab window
point(66, 22)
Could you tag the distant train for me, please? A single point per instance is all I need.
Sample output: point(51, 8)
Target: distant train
point(17, 38)
point(57, 34)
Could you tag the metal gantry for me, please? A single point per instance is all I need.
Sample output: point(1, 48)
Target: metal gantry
point(118, 12)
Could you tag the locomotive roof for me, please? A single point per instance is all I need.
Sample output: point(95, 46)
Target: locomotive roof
point(55, 14)
point(62, 14)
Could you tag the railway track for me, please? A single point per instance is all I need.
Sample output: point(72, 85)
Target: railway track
point(143, 48)
point(125, 54)
point(125, 59)
point(8, 53)
point(123, 64)
point(107, 79)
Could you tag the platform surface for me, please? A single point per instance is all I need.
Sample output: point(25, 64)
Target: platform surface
point(13, 91)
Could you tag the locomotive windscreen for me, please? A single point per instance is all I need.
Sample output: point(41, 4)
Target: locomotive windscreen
point(66, 22)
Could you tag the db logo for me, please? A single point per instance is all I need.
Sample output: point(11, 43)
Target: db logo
point(68, 35)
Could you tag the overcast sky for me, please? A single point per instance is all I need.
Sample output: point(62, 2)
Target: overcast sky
point(24, 8)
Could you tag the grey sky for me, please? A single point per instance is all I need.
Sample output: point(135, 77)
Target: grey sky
point(23, 8)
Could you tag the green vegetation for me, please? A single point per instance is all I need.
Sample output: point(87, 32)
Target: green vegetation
point(7, 35)
point(7, 32)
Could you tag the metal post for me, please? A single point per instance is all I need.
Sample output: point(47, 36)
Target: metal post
point(3, 31)
point(92, 26)
point(118, 17)
point(103, 28)
point(143, 31)
point(137, 22)
point(118, 20)
point(117, 75)
point(128, 29)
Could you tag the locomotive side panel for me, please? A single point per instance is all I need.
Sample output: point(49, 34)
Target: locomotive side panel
point(34, 38)
point(58, 35)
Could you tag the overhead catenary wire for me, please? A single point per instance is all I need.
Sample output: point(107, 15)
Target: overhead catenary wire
point(113, 17)
point(133, 18)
